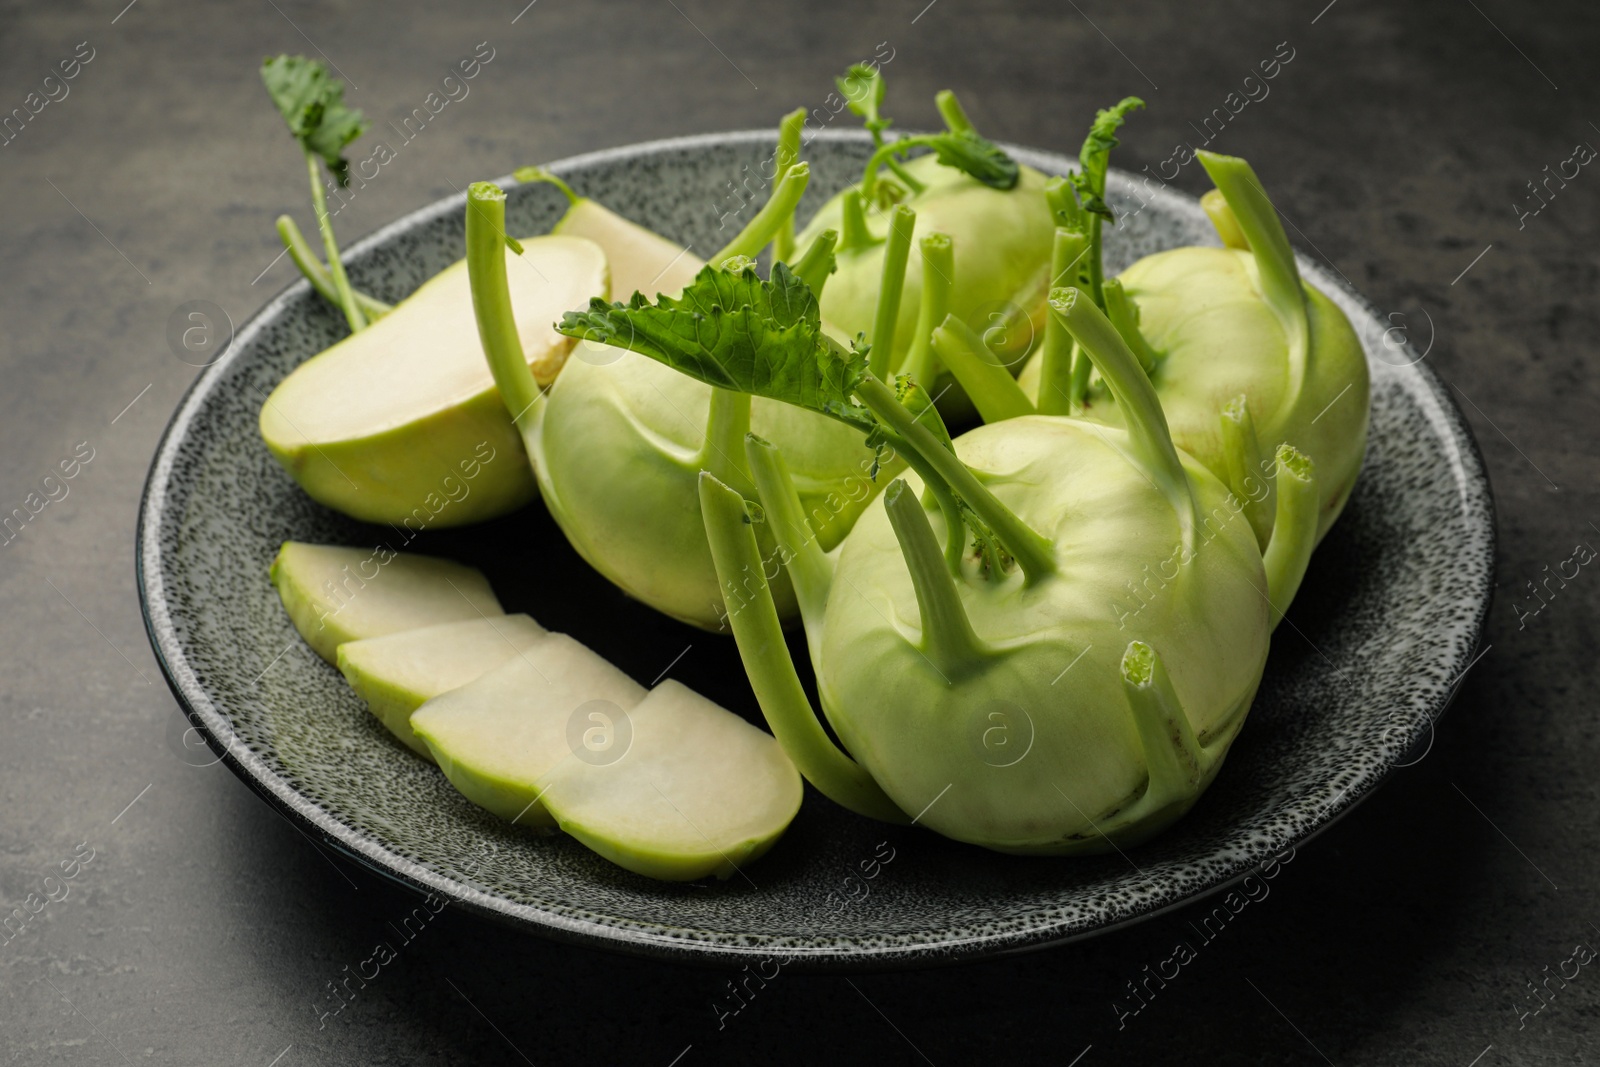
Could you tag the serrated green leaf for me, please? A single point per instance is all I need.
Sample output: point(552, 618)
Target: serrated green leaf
point(975, 156)
point(735, 331)
point(311, 102)
point(1095, 156)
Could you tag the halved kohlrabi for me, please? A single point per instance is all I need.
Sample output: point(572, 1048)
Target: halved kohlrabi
point(641, 260)
point(335, 593)
point(400, 422)
point(405, 412)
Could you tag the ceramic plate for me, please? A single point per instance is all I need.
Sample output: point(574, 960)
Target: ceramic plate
point(1386, 623)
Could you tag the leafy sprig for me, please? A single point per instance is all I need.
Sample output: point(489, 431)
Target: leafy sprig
point(966, 151)
point(732, 330)
point(311, 102)
point(1095, 156)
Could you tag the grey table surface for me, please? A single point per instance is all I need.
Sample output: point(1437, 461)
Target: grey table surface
point(1400, 140)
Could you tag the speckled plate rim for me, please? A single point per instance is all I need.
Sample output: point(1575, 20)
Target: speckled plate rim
point(707, 947)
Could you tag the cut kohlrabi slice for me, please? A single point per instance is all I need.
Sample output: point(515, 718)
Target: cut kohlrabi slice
point(497, 738)
point(335, 593)
point(697, 792)
point(397, 673)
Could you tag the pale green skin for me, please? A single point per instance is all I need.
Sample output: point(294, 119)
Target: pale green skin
point(397, 673)
point(923, 730)
point(1202, 312)
point(617, 447)
point(1002, 243)
point(335, 593)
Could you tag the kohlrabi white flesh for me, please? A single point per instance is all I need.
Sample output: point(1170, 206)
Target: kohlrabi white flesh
point(1071, 681)
point(335, 594)
point(497, 737)
point(407, 410)
point(397, 673)
point(618, 442)
point(401, 414)
point(665, 784)
point(698, 792)
point(641, 260)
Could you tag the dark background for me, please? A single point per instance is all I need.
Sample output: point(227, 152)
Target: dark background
point(1398, 140)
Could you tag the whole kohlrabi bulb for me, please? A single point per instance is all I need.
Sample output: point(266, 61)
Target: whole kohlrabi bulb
point(1026, 741)
point(1202, 313)
point(1244, 355)
point(618, 446)
point(1002, 244)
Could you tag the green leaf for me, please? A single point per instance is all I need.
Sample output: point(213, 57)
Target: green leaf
point(862, 88)
point(735, 331)
point(975, 156)
point(311, 102)
point(1095, 156)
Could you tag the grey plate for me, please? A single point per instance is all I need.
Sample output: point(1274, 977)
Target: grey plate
point(1386, 623)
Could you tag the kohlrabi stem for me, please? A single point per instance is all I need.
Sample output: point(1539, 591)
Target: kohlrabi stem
point(902, 221)
point(727, 423)
point(817, 262)
point(885, 154)
point(955, 525)
point(994, 392)
point(895, 168)
point(310, 266)
point(954, 115)
point(853, 232)
point(1082, 365)
point(1222, 220)
point(786, 156)
point(810, 569)
point(1096, 264)
point(1148, 434)
point(947, 635)
point(759, 231)
point(914, 398)
point(1125, 317)
point(1257, 219)
point(1064, 208)
point(766, 660)
point(491, 300)
point(1241, 451)
point(539, 174)
point(1172, 755)
point(938, 274)
point(1034, 553)
point(1055, 349)
point(1294, 529)
point(341, 283)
